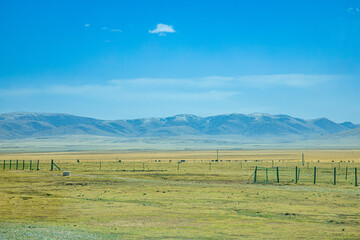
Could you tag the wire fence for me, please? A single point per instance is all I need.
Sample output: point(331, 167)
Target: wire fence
point(250, 171)
point(315, 175)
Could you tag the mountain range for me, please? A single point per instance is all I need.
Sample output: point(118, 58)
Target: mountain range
point(24, 125)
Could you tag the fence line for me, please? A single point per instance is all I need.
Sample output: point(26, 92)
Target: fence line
point(261, 171)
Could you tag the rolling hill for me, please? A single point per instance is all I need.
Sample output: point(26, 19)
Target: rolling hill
point(23, 125)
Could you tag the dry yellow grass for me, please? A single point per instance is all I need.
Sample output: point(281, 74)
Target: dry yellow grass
point(283, 155)
point(164, 202)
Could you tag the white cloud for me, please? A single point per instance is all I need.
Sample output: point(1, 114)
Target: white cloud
point(162, 29)
point(353, 10)
point(87, 25)
point(115, 30)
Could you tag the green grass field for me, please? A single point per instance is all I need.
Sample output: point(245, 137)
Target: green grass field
point(142, 197)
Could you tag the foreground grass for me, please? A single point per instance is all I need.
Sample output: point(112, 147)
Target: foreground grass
point(104, 207)
point(193, 202)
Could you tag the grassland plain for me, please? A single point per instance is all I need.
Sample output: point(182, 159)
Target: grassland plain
point(148, 196)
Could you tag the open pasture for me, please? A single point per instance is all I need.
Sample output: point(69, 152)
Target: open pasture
point(135, 195)
point(282, 155)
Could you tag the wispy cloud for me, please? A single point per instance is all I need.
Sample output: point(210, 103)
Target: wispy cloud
point(211, 87)
point(124, 91)
point(354, 10)
point(144, 89)
point(193, 83)
point(87, 25)
point(287, 80)
point(254, 81)
point(111, 30)
point(22, 92)
point(166, 96)
point(162, 29)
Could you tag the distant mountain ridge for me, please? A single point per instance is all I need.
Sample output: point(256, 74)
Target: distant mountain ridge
point(23, 125)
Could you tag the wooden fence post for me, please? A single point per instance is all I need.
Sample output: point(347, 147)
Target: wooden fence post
point(296, 174)
point(4, 165)
point(17, 164)
point(356, 184)
point(30, 164)
point(334, 175)
point(38, 166)
point(277, 174)
point(314, 175)
point(23, 165)
point(10, 164)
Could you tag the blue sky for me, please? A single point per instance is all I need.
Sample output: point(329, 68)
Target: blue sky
point(130, 59)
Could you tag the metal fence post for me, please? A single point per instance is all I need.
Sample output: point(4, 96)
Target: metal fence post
point(255, 174)
point(267, 178)
point(346, 171)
